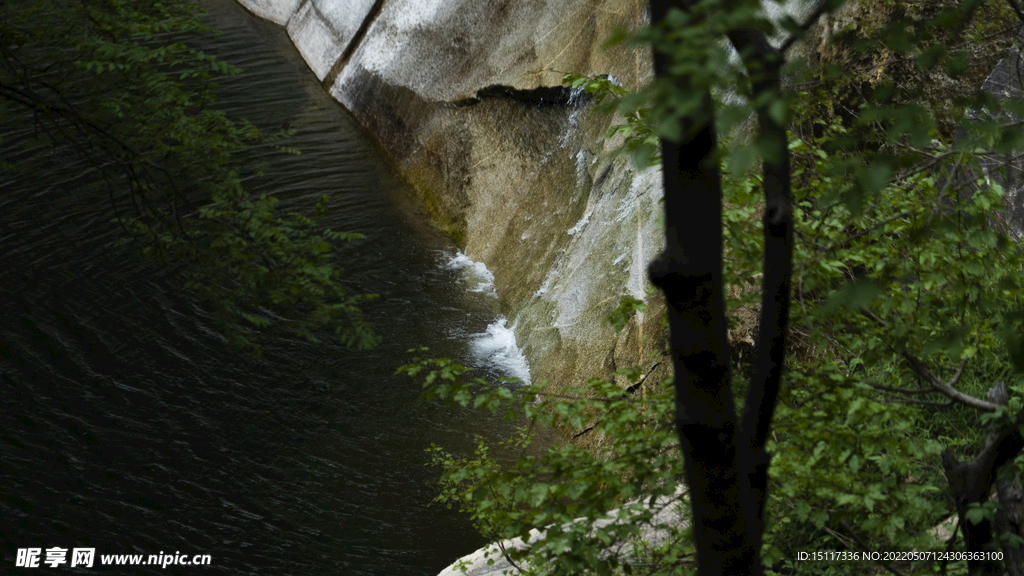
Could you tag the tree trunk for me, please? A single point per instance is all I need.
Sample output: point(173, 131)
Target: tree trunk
point(971, 482)
point(726, 465)
point(689, 272)
point(1010, 520)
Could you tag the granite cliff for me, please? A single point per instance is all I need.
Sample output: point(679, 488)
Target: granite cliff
point(466, 98)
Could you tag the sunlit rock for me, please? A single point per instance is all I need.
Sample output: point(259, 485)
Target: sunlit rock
point(466, 98)
point(668, 518)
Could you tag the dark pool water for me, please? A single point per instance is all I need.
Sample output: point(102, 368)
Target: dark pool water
point(129, 426)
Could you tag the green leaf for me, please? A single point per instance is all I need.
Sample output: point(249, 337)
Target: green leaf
point(874, 177)
point(975, 515)
point(627, 308)
point(778, 111)
point(852, 296)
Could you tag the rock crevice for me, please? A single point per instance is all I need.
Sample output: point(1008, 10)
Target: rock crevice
point(539, 96)
point(353, 43)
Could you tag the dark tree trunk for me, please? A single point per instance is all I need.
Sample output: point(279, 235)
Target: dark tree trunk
point(971, 482)
point(763, 63)
point(968, 485)
point(726, 467)
point(1010, 520)
point(689, 271)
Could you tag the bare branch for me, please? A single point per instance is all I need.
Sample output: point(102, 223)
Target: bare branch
point(947, 387)
point(640, 382)
point(504, 553)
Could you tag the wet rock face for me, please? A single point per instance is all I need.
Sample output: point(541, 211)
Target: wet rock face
point(1007, 82)
point(466, 98)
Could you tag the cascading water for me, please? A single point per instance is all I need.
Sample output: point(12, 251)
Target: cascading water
point(495, 349)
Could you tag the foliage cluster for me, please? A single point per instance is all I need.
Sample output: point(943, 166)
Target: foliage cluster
point(854, 467)
point(906, 276)
point(639, 140)
point(116, 84)
point(921, 268)
point(597, 500)
point(931, 54)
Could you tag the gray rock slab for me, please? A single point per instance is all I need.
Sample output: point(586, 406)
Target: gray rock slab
point(668, 518)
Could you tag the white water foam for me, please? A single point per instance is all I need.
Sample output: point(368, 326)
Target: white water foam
point(581, 167)
point(475, 275)
point(496, 349)
point(575, 98)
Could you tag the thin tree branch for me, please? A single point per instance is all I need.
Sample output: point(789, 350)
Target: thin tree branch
point(938, 385)
point(763, 64)
point(947, 387)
